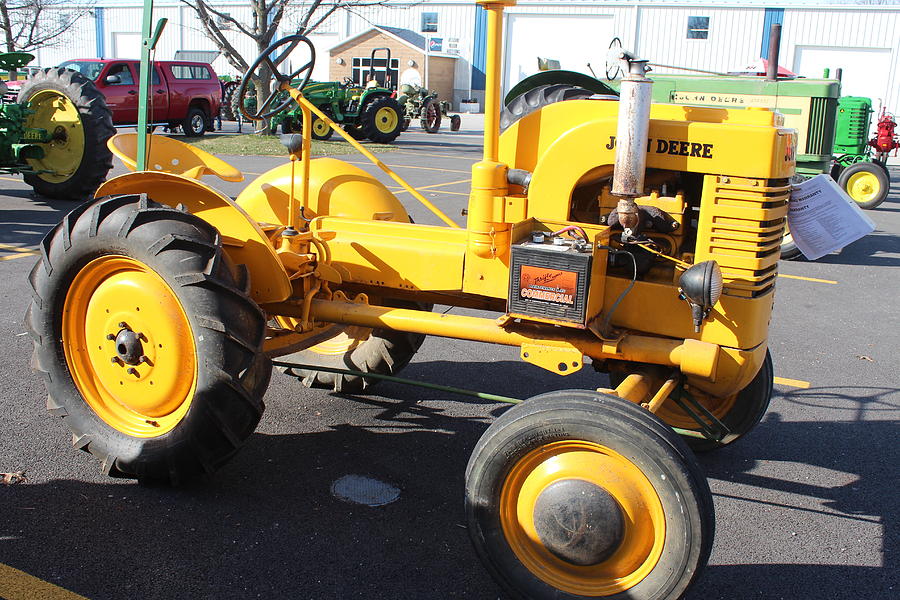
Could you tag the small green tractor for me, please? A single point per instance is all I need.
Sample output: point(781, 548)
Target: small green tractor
point(365, 112)
point(423, 104)
point(54, 130)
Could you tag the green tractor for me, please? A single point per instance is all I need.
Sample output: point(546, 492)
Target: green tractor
point(423, 104)
point(54, 133)
point(365, 112)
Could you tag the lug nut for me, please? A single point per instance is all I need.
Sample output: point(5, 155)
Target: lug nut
point(144, 359)
point(123, 324)
point(110, 336)
point(115, 360)
point(133, 371)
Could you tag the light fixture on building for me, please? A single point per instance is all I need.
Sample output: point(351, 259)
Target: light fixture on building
point(411, 63)
point(339, 60)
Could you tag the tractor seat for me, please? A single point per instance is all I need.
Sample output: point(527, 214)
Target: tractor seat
point(171, 156)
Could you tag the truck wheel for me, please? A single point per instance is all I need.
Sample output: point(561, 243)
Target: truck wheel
point(430, 117)
point(866, 182)
point(576, 494)
point(536, 98)
point(379, 351)
point(740, 412)
point(150, 348)
point(68, 105)
point(381, 120)
point(195, 123)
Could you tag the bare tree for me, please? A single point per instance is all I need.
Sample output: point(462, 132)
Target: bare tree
point(30, 24)
point(266, 19)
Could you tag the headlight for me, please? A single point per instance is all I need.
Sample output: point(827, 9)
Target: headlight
point(701, 286)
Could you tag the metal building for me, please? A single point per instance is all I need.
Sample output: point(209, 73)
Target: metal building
point(721, 36)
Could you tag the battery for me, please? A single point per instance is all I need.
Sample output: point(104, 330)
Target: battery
point(549, 280)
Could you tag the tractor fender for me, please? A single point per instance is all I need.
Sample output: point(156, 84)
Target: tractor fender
point(243, 240)
point(336, 189)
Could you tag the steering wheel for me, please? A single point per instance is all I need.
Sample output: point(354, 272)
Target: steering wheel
point(347, 82)
point(265, 110)
point(613, 66)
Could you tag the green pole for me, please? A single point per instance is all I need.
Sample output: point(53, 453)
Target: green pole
point(149, 38)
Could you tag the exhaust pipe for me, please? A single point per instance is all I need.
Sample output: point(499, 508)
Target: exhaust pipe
point(774, 51)
point(631, 141)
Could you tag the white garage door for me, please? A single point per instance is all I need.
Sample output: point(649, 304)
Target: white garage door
point(865, 70)
point(126, 45)
point(573, 40)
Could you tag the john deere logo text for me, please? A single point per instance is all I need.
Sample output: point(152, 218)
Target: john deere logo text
point(673, 147)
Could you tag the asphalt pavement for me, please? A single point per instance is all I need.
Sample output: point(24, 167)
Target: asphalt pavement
point(807, 504)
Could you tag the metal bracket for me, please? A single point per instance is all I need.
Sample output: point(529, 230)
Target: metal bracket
point(714, 430)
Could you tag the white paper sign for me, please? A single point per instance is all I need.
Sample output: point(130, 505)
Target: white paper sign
point(823, 218)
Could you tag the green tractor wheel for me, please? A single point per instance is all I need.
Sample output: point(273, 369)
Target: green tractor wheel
point(382, 120)
point(866, 182)
point(320, 129)
point(68, 106)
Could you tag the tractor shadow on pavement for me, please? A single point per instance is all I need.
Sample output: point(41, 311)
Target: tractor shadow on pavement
point(26, 227)
point(267, 524)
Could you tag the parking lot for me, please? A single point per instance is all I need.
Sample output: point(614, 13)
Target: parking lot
point(807, 505)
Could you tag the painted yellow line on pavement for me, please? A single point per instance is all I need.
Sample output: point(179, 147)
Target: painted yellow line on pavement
point(18, 585)
point(813, 279)
point(411, 167)
point(437, 185)
point(804, 385)
point(10, 179)
point(16, 248)
point(15, 256)
point(438, 155)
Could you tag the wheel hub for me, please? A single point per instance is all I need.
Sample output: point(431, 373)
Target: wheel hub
point(129, 348)
point(579, 522)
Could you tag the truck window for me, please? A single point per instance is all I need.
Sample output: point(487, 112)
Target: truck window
point(190, 72)
point(123, 72)
point(89, 69)
point(154, 74)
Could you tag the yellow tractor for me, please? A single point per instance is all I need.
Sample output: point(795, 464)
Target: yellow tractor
point(643, 239)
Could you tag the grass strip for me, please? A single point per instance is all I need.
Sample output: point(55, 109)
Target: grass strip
point(269, 145)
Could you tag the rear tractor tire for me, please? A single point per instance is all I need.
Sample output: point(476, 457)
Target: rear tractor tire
point(576, 494)
point(69, 106)
point(148, 343)
point(740, 412)
point(866, 182)
point(539, 97)
point(380, 351)
point(382, 120)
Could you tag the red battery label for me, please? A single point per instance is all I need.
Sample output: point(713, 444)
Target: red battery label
point(550, 285)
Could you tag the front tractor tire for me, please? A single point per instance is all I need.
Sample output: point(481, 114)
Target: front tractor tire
point(148, 343)
point(430, 118)
point(577, 494)
point(69, 107)
point(382, 120)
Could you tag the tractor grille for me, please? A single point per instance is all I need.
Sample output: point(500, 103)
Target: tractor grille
point(820, 134)
point(740, 226)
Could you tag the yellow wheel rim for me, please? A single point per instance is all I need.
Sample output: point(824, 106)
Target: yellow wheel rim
point(111, 296)
point(344, 342)
point(863, 187)
point(386, 119)
point(55, 113)
point(644, 519)
point(320, 127)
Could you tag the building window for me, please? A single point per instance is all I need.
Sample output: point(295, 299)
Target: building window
point(360, 71)
point(429, 22)
point(698, 28)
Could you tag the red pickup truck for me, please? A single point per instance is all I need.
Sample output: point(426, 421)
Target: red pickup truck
point(185, 94)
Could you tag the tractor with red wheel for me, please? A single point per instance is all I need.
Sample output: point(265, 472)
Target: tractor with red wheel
point(637, 239)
